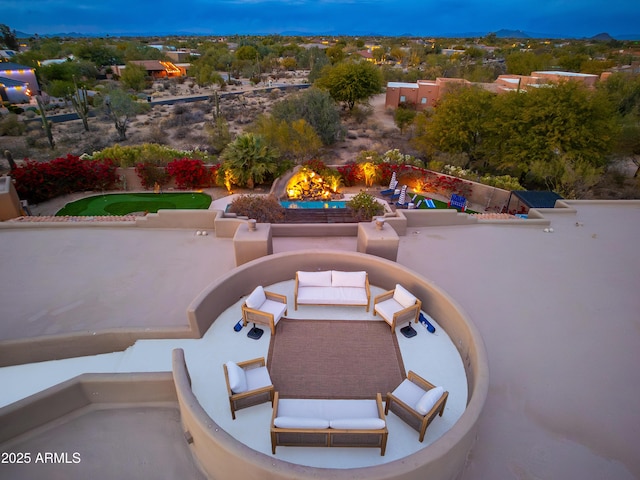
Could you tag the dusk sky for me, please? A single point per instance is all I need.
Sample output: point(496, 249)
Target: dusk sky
point(575, 18)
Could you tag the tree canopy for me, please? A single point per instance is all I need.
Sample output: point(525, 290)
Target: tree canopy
point(350, 82)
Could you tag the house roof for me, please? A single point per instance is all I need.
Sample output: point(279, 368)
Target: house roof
point(537, 199)
point(4, 66)
point(9, 82)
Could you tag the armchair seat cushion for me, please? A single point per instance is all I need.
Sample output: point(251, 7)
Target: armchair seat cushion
point(257, 378)
point(387, 308)
point(409, 393)
point(277, 309)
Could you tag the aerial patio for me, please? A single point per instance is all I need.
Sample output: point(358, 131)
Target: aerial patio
point(507, 305)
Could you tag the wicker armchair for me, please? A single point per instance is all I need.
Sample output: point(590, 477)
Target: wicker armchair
point(417, 402)
point(248, 384)
point(397, 306)
point(265, 308)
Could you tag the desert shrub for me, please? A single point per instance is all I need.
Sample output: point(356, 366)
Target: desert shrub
point(364, 206)
point(150, 174)
point(264, 208)
point(40, 181)
point(11, 126)
point(129, 156)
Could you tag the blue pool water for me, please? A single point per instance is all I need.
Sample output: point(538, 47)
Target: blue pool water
point(314, 204)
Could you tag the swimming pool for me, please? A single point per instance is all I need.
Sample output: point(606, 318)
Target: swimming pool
point(314, 204)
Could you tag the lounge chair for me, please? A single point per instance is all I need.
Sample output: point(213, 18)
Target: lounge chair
point(428, 203)
point(248, 384)
point(265, 308)
point(417, 402)
point(402, 198)
point(397, 306)
point(459, 202)
point(392, 186)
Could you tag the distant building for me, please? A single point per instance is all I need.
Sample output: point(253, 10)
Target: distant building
point(425, 93)
point(155, 68)
point(17, 83)
point(422, 94)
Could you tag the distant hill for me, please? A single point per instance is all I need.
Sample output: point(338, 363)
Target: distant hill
point(602, 37)
point(504, 33)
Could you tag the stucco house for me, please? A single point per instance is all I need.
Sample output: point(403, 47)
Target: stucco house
point(425, 93)
point(155, 68)
point(17, 83)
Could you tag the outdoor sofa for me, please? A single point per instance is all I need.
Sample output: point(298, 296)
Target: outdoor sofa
point(332, 287)
point(328, 423)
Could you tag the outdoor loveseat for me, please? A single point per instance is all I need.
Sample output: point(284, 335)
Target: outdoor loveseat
point(332, 287)
point(328, 423)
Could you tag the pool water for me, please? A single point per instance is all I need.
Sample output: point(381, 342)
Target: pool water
point(314, 204)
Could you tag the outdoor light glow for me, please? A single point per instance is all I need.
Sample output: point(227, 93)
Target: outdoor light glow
point(308, 185)
point(228, 179)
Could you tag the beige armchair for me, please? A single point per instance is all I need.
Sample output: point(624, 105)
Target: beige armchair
point(248, 384)
point(265, 308)
point(397, 306)
point(417, 402)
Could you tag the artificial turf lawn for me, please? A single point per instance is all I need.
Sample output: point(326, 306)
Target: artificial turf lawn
point(125, 203)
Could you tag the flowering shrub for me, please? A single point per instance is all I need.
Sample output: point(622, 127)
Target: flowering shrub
point(386, 170)
point(443, 184)
point(351, 174)
point(315, 165)
point(40, 181)
point(189, 174)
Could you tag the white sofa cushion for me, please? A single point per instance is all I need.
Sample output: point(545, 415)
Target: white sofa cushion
point(300, 422)
point(371, 423)
point(257, 378)
point(332, 296)
point(403, 296)
point(237, 378)
point(348, 279)
point(428, 400)
point(314, 279)
point(256, 298)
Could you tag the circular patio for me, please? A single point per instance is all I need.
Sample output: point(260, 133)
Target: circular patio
point(214, 443)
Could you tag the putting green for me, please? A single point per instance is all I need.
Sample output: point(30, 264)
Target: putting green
point(125, 203)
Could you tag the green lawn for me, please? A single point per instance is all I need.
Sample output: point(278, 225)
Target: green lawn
point(125, 203)
point(437, 203)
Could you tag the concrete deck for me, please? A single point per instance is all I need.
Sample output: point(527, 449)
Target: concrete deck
point(558, 313)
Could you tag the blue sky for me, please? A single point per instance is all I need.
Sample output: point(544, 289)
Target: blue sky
point(578, 18)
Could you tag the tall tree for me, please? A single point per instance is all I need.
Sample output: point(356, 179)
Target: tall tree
point(9, 39)
point(351, 83)
point(317, 108)
point(134, 76)
point(121, 108)
point(458, 125)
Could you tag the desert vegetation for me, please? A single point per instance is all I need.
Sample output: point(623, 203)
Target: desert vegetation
point(251, 121)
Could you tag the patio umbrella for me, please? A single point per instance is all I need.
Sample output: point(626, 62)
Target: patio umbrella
point(403, 195)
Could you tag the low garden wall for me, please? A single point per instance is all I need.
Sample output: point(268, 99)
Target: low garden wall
point(223, 457)
point(90, 388)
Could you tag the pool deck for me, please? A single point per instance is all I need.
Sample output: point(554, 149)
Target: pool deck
point(558, 313)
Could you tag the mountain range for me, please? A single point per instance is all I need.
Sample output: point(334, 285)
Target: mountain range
point(504, 33)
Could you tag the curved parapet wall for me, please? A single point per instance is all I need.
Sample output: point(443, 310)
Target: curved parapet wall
point(223, 457)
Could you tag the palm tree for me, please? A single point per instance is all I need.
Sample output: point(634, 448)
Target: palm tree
point(249, 159)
